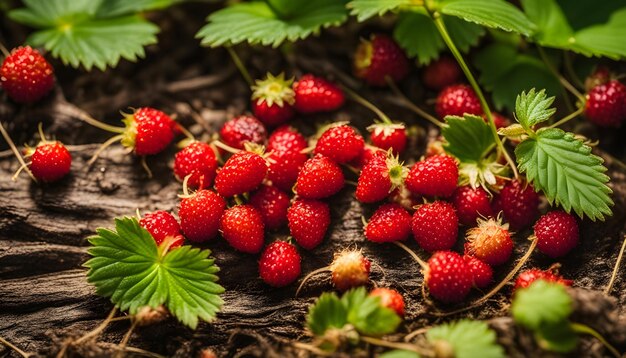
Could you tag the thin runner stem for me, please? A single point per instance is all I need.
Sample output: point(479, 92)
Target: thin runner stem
point(4, 50)
point(396, 345)
point(608, 288)
point(583, 328)
point(240, 66)
point(570, 116)
point(104, 146)
point(83, 116)
point(412, 106)
point(122, 345)
point(365, 103)
point(96, 331)
point(569, 67)
point(413, 254)
point(564, 82)
point(15, 151)
point(15, 348)
point(225, 147)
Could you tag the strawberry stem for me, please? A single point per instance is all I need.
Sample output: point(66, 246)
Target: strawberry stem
point(15, 151)
point(307, 277)
point(225, 147)
point(122, 345)
point(4, 50)
point(365, 103)
point(240, 66)
point(145, 167)
point(564, 82)
point(83, 116)
point(96, 331)
point(396, 345)
point(15, 348)
point(412, 106)
point(413, 254)
point(185, 187)
point(584, 329)
point(41, 133)
point(565, 119)
point(607, 290)
point(104, 146)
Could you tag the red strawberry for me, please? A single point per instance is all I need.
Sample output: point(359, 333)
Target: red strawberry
point(200, 215)
point(279, 265)
point(482, 273)
point(273, 99)
point(435, 176)
point(308, 222)
point(519, 203)
point(272, 203)
point(378, 58)
point(441, 73)
point(600, 76)
point(490, 242)
point(388, 136)
point(456, 100)
point(26, 76)
point(319, 178)
point(390, 298)
point(49, 161)
point(340, 143)
point(242, 226)
point(557, 232)
point(148, 131)
point(315, 94)
point(350, 269)
point(527, 277)
point(435, 226)
point(243, 172)
point(240, 130)
point(161, 225)
point(448, 278)
point(379, 177)
point(198, 160)
point(284, 167)
point(471, 204)
point(366, 155)
point(286, 138)
point(606, 104)
point(390, 222)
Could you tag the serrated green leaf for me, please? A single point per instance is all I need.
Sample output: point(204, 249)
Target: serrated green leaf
point(468, 138)
point(111, 8)
point(564, 168)
point(541, 303)
point(256, 23)
point(327, 312)
point(557, 337)
point(603, 40)
point(533, 107)
point(399, 353)
point(467, 339)
point(491, 13)
point(126, 266)
point(552, 26)
point(364, 9)
point(367, 315)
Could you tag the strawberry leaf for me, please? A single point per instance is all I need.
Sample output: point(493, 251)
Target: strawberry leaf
point(399, 353)
point(364, 9)
point(326, 313)
point(558, 337)
point(468, 138)
point(568, 173)
point(604, 40)
point(128, 267)
point(542, 303)
point(533, 107)
point(367, 315)
point(124, 7)
point(467, 339)
point(491, 13)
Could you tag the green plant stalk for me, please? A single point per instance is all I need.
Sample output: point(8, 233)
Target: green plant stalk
point(564, 82)
point(240, 66)
point(441, 27)
point(584, 329)
point(15, 151)
point(565, 119)
point(616, 268)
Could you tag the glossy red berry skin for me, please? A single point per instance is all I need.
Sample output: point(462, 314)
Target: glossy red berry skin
point(519, 204)
point(284, 167)
point(390, 298)
point(606, 104)
point(557, 233)
point(272, 115)
point(374, 181)
point(243, 172)
point(279, 264)
point(482, 273)
point(456, 100)
point(242, 227)
point(390, 222)
point(471, 204)
point(448, 278)
point(386, 136)
point(286, 138)
point(161, 224)
point(435, 226)
point(315, 94)
point(308, 222)
point(434, 176)
point(319, 178)
point(26, 76)
point(149, 131)
point(526, 278)
point(198, 160)
point(441, 73)
point(50, 161)
point(272, 203)
point(200, 215)
point(378, 58)
point(340, 143)
point(239, 130)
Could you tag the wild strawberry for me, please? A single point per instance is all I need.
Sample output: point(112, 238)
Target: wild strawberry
point(557, 233)
point(482, 273)
point(448, 278)
point(366, 155)
point(273, 99)
point(441, 73)
point(308, 221)
point(272, 203)
point(456, 100)
point(198, 160)
point(490, 242)
point(242, 226)
point(148, 131)
point(519, 204)
point(26, 76)
point(379, 177)
point(279, 264)
point(319, 178)
point(378, 58)
point(527, 277)
point(49, 161)
point(315, 94)
point(606, 104)
point(241, 130)
point(350, 269)
point(243, 172)
point(435, 226)
point(435, 176)
point(286, 138)
point(200, 215)
point(390, 222)
point(388, 136)
point(161, 225)
point(284, 167)
point(340, 143)
point(390, 298)
point(600, 76)
point(471, 203)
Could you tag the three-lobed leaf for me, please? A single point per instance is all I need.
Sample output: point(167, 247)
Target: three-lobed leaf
point(491, 13)
point(467, 339)
point(468, 138)
point(542, 303)
point(533, 108)
point(328, 312)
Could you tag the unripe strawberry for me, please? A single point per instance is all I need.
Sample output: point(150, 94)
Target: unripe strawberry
point(448, 277)
point(198, 160)
point(241, 130)
point(200, 215)
point(557, 233)
point(434, 176)
point(279, 264)
point(161, 225)
point(471, 203)
point(350, 269)
point(273, 99)
point(482, 273)
point(26, 76)
point(441, 73)
point(435, 226)
point(340, 143)
point(390, 298)
point(390, 222)
point(490, 242)
point(526, 278)
point(242, 226)
point(456, 100)
point(378, 58)
point(315, 94)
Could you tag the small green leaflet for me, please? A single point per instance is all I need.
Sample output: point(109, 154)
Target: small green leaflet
point(399, 353)
point(327, 312)
point(491, 13)
point(468, 138)
point(364, 9)
point(541, 303)
point(257, 23)
point(533, 107)
point(124, 7)
point(128, 267)
point(557, 337)
point(467, 339)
